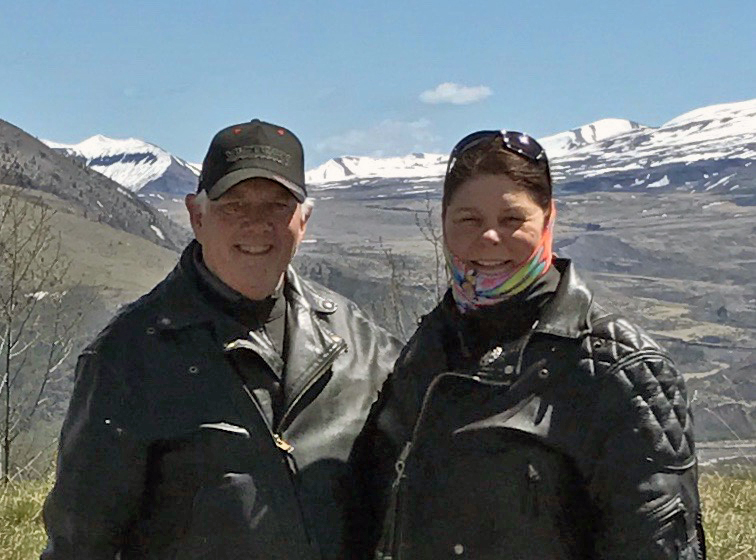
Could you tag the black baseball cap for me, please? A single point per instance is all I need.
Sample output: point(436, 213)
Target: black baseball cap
point(253, 149)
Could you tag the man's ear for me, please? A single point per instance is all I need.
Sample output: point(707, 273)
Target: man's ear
point(195, 212)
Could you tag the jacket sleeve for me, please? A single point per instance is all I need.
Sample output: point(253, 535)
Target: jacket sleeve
point(100, 470)
point(645, 481)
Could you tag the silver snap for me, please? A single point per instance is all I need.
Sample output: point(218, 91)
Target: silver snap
point(328, 304)
point(597, 344)
point(476, 377)
point(459, 549)
point(150, 330)
point(193, 369)
point(491, 356)
point(165, 321)
point(553, 348)
point(544, 373)
point(509, 369)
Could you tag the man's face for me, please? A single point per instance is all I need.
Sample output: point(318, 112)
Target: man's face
point(249, 234)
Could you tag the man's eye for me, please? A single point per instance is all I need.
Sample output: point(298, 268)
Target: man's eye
point(232, 208)
point(468, 220)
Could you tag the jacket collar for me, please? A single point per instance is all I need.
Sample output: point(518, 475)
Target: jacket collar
point(178, 302)
point(567, 313)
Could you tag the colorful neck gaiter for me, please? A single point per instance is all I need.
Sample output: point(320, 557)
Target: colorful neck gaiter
point(473, 289)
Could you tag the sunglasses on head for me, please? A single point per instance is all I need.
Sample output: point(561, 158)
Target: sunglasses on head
point(516, 142)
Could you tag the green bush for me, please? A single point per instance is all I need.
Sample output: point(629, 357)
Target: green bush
point(729, 505)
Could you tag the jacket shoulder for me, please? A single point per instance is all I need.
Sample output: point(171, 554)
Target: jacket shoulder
point(642, 383)
point(424, 350)
point(328, 302)
point(133, 318)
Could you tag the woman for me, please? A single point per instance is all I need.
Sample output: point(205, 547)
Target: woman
point(522, 420)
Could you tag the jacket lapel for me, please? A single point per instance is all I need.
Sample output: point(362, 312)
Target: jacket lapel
point(311, 346)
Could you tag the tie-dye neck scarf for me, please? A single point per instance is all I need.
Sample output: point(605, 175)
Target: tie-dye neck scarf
point(473, 289)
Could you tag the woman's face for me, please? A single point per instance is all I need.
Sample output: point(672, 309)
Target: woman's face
point(493, 224)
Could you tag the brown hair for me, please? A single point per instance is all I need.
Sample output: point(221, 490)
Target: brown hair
point(492, 158)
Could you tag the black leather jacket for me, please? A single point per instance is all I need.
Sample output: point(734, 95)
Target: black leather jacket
point(572, 442)
point(166, 453)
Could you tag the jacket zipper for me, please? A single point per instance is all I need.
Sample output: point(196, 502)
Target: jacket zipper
point(279, 441)
point(315, 376)
point(392, 531)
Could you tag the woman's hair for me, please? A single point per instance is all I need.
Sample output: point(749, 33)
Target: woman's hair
point(492, 158)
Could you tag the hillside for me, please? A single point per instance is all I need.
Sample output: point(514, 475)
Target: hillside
point(26, 162)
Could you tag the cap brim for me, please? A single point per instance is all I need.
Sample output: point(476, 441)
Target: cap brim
point(230, 179)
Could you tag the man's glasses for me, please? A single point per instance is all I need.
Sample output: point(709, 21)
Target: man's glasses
point(516, 142)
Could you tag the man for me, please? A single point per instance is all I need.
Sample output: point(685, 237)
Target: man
point(213, 417)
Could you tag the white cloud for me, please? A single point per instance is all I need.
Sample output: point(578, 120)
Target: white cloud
point(387, 138)
point(456, 94)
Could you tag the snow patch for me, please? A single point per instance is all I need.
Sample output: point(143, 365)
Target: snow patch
point(158, 232)
point(663, 182)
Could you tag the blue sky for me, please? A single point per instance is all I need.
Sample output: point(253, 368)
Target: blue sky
point(350, 77)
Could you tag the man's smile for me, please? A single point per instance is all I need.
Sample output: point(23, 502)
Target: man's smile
point(254, 250)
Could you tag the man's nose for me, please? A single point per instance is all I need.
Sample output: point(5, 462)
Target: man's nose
point(257, 220)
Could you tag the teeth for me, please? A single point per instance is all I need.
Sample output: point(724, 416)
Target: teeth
point(254, 249)
point(489, 263)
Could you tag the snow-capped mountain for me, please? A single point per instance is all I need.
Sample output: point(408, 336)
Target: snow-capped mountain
point(353, 167)
point(137, 165)
point(565, 142)
point(433, 166)
point(709, 149)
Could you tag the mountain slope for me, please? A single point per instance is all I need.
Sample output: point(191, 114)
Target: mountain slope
point(28, 163)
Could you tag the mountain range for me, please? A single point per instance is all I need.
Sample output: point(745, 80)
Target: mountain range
point(705, 150)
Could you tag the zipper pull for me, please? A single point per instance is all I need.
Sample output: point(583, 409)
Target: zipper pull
point(401, 463)
point(282, 444)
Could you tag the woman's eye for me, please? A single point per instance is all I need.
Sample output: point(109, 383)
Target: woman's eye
point(511, 220)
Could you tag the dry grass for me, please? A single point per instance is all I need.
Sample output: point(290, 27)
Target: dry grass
point(729, 502)
point(22, 534)
point(729, 506)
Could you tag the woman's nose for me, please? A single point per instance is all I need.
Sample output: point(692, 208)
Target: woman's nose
point(492, 236)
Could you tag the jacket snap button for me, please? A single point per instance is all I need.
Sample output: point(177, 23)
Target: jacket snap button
point(544, 373)
point(193, 369)
point(459, 549)
point(597, 344)
point(150, 330)
point(165, 321)
point(328, 304)
point(509, 369)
